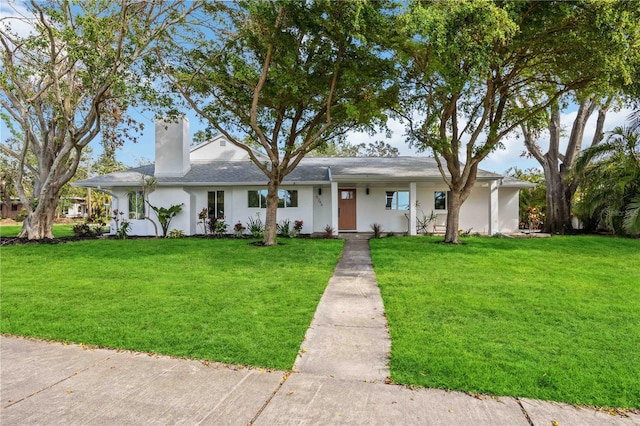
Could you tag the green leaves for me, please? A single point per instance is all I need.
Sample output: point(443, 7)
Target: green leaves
point(610, 185)
point(165, 215)
point(70, 76)
point(305, 64)
point(631, 222)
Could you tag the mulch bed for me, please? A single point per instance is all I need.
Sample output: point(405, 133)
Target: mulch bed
point(11, 241)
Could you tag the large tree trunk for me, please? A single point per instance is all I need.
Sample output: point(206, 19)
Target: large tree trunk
point(454, 202)
point(55, 170)
point(559, 196)
point(556, 166)
point(271, 220)
point(39, 223)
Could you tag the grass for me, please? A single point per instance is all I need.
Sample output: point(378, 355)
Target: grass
point(61, 230)
point(555, 319)
point(221, 300)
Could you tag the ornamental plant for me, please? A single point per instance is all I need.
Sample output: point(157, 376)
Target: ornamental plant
point(203, 219)
point(238, 229)
point(123, 226)
point(535, 218)
point(165, 215)
point(219, 227)
point(284, 228)
point(256, 226)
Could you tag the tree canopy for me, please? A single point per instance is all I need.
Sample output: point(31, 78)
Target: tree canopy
point(290, 75)
point(468, 68)
point(70, 70)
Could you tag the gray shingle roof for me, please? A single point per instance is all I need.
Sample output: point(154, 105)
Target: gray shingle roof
point(311, 170)
point(512, 182)
point(391, 168)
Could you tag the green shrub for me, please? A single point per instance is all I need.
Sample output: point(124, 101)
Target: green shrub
point(256, 227)
point(175, 233)
point(220, 227)
point(377, 230)
point(284, 228)
point(86, 230)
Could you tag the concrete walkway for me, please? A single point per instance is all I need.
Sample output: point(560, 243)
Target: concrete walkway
point(340, 380)
point(348, 337)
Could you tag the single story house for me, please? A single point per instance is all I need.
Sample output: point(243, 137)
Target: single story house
point(347, 194)
point(73, 207)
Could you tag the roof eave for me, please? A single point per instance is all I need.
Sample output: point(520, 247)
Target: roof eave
point(366, 178)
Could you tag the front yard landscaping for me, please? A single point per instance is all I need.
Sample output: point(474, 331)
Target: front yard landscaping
point(555, 318)
point(222, 300)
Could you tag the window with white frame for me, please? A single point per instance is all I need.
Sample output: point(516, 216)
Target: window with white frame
point(215, 204)
point(286, 198)
point(136, 205)
point(440, 200)
point(397, 200)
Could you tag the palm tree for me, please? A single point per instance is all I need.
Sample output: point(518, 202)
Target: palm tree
point(634, 120)
point(610, 189)
point(631, 222)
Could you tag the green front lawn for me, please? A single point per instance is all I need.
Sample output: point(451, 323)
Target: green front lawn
point(555, 318)
point(62, 230)
point(222, 300)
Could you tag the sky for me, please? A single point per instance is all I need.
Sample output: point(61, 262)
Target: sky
point(499, 161)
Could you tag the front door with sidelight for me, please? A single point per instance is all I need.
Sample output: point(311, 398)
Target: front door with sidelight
point(347, 210)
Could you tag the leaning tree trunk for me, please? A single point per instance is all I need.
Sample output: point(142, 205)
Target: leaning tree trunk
point(271, 219)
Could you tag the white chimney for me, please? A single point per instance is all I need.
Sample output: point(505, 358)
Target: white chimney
point(172, 147)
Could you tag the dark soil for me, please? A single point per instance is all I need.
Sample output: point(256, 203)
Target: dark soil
point(10, 241)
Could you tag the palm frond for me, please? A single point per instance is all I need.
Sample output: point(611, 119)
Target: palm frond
point(634, 120)
point(631, 222)
point(592, 153)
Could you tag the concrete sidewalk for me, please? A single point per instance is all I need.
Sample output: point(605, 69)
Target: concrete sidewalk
point(54, 384)
point(339, 379)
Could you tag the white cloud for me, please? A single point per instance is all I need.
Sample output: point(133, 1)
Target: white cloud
point(512, 153)
point(397, 139)
point(501, 160)
point(17, 17)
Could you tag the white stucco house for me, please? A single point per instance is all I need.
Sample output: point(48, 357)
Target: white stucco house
point(348, 194)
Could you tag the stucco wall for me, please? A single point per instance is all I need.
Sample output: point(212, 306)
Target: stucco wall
point(236, 206)
point(120, 202)
point(509, 199)
point(321, 208)
point(474, 213)
point(166, 197)
point(314, 208)
point(371, 209)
